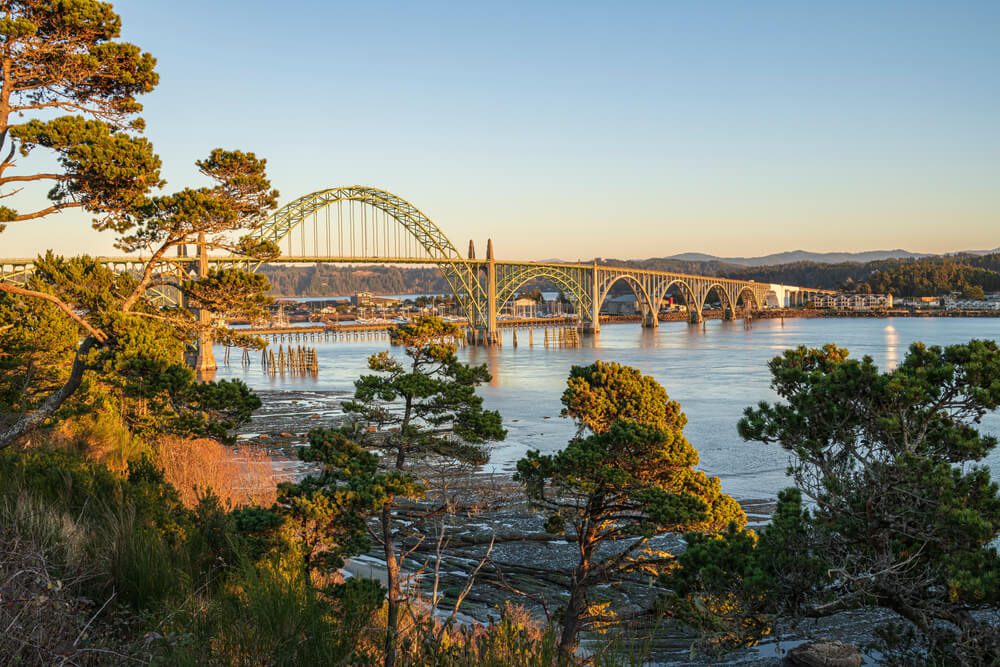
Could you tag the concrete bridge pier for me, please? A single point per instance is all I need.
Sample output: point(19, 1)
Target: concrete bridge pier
point(204, 363)
point(591, 323)
point(492, 333)
point(695, 317)
point(486, 332)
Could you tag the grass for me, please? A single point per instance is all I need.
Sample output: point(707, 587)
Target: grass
point(112, 567)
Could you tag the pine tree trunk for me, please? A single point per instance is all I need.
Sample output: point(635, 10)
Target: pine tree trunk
point(36, 417)
point(392, 583)
point(577, 605)
point(404, 429)
point(571, 620)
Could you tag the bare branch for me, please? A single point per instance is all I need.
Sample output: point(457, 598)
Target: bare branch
point(46, 211)
point(97, 334)
point(34, 177)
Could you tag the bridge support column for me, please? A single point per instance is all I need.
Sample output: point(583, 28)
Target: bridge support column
point(728, 314)
point(695, 317)
point(592, 320)
point(204, 362)
point(492, 332)
point(650, 319)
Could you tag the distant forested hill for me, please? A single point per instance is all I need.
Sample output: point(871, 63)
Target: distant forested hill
point(927, 276)
point(330, 280)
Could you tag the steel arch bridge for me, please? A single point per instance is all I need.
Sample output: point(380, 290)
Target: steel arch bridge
point(366, 225)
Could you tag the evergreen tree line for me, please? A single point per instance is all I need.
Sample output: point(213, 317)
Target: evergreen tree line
point(330, 280)
point(926, 276)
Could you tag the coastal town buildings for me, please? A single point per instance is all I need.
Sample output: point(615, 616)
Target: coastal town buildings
point(853, 301)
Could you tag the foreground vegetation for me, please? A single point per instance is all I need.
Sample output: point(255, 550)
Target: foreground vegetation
point(117, 548)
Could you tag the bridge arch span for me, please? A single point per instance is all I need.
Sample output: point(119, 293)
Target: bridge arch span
point(690, 298)
point(411, 236)
point(642, 296)
point(566, 280)
point(410, 219)
point(754, 297)
point(726, 300)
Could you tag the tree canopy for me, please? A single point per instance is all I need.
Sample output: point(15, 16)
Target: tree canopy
point(65, 56)
point(428, 406)
point(899, 515)
point(627, 476)
point(129, 330)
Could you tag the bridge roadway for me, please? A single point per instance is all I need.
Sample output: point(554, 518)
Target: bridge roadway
point(650, 287)
point(382, 228)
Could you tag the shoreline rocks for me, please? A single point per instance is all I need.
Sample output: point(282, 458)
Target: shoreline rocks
point(824, 653)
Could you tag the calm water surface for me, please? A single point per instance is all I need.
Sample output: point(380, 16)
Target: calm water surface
point(714, 372)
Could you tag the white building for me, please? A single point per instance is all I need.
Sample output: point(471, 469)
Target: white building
point(853, 301)
point(524, 307)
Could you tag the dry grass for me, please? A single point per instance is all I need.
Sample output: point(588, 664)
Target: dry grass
point(101, 436)
point(239, 477)
point(43, 618)
point(514, 639)
point(40, 620)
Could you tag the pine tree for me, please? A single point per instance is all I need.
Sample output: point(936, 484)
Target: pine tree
point(64, 57)
point(627, 476)
point(426, 408)
point(130, 335)
point(898, 515)
point(899, 512)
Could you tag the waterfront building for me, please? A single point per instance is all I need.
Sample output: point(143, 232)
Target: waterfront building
point(524, 307)
point(991, 302)
point(621, 304)
point(853, 301)
point(369, 300)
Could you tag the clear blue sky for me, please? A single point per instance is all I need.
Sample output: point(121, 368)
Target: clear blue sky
point(614, 129)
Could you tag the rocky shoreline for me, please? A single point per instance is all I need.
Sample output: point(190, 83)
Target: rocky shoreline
point(489, 526)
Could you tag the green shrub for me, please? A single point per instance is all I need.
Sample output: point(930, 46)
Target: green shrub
point(272, 616)
point(143, 570)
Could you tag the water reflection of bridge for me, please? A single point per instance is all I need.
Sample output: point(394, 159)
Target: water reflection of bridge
point(365, 225)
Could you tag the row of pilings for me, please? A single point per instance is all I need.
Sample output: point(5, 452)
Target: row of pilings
point(302, 360)
point(298, 360)
point(551, 337)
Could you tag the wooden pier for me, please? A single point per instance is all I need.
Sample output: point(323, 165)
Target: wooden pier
point(299, 331)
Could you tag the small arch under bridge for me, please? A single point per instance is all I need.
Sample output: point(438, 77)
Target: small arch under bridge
point(365, 225)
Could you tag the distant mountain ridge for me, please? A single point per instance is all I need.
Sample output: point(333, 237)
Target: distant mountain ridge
point(792, 256)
